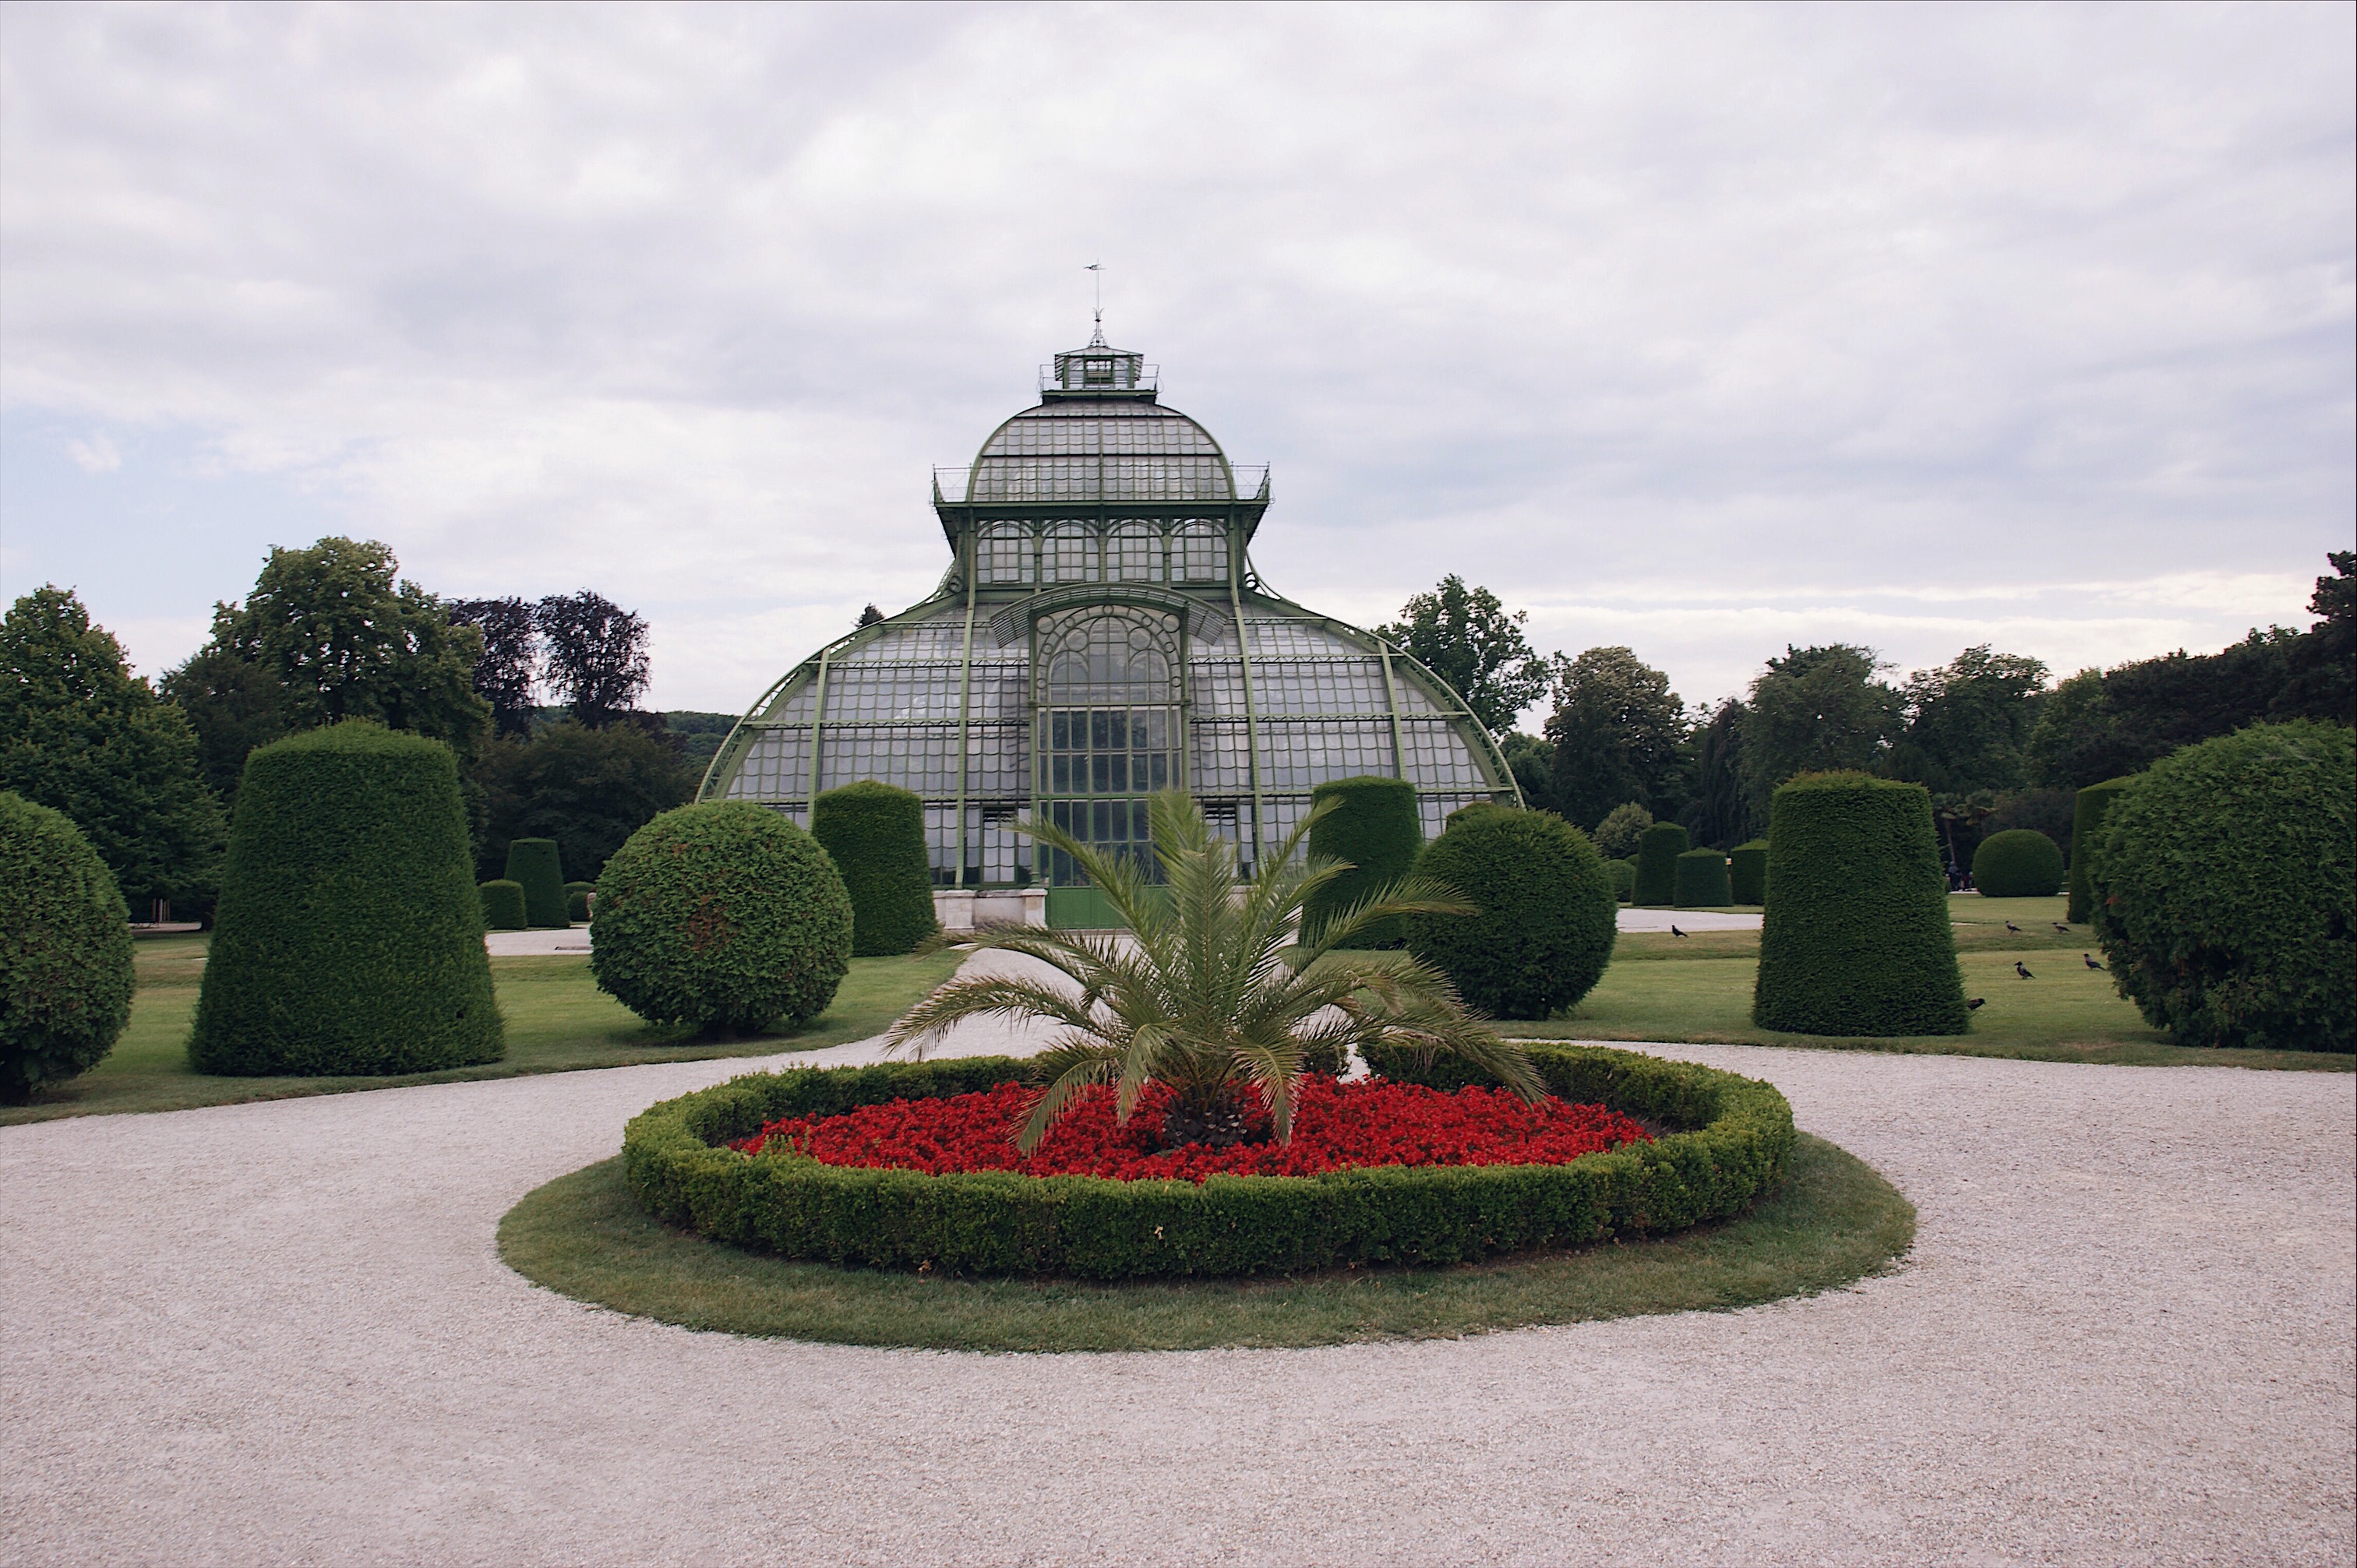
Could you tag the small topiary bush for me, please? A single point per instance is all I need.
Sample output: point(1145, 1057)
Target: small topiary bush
point(503, 905)
point(2225, 894)
point(65, 952)
point(1547, 911)
point(577, 901)
point(2090, 809)
point(1375, 828)
point(532, 865)
point(875, 835)
point(1702, 879)
point(725, 916)
point(1857, 938)
point(1747, 873)
point(2019, 863)
point(1623, 827)
point(1624, 877)
point(350, 935)
point(1657, 864)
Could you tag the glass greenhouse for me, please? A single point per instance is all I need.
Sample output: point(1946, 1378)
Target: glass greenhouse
point(1100, 634)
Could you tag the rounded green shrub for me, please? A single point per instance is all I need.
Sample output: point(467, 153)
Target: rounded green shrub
point(875, 835)
point(1624, 877)
point(350, 935)
point(2089, 809)
point(577, 901)
point(1546, 914)
point(1747, 873)
point(1657, 864)
point(2225, 894)
point(532, 864)
point(65, 952)
point(2019, 863)
point(503, 905)
point(1374, 827)
point(725, 916)
point(1855, 939)
point(1702, 879)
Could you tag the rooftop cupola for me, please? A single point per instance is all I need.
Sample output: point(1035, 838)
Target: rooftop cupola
point(1099, 370)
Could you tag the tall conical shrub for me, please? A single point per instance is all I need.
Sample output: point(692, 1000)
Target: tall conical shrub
point(1375, 828)
point(350, 935)
point(65, 952)
point(2089, 808)
point(1657, 865)
point(875, 833)
point(1855, 939)
point(533, 865)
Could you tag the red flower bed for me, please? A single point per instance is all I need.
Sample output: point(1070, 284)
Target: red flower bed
point(1336, 1126)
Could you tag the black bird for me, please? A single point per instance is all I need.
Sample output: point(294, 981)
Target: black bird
point(2091, 961)
point(2061, 927)
point(1676, 932)
point(1975, 1001)
point(2014, 928)
point(2022, 969)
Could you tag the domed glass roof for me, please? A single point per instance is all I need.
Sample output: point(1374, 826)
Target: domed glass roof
point(1101, 449)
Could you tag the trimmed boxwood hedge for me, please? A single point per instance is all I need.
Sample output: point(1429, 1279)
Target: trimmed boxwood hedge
point(996, 1222)
point(1624, 877)
point(65, 952)
point(875, 833)
point(1857, 938)
point(577, 901)
point(350, 935)
point(532, 864)
point(1702, 879)
point(1657, 864)
point(1375, 828)
point(2091, 805)
point(2225, 896)
point(2019, 863)
point(1545, 913)
point(503, 905)
point(1747, 873)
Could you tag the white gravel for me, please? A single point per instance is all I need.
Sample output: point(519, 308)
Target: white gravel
point(279, 1333)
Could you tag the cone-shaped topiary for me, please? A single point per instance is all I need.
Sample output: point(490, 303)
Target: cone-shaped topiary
point(350, 935)
point(532, 864)
point(65, 952)
point(1657, 864)
point(576, 900)
point(1702, 879)
point(1857, 938)
point(2090, 808)
point(875, 835)
point(503, 906)
point(2019, 863)
point(1747, 873)
point(724, 915)
point(1624, 877)
point(1376, 830)
point(2225, 894)
point(1547, 913)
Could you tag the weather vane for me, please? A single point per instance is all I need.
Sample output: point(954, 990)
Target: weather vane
point(1096, 271)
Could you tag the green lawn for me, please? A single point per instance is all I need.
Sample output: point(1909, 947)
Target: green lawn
point(558, 1021)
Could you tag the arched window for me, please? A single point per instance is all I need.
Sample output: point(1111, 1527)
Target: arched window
point(1133, 552)
point(1005, 552)
point(1069, 554)
point(1199, 552)
point(1108, 726)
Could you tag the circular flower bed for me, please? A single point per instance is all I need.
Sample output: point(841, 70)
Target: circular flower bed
point(1337, 1126)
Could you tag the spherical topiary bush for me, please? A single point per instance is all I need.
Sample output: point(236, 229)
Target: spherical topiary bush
point(2089, 808)
point(2225, 892)
point(1747, 873)
point(576, 900)
point(348, 938)
point(65, 952)
point(503, 905)
point(1855, 939)
point(1702, 879)
point(1374, 827)
point(1657, 864)
point(725, 916)
point(1624, 877)
point(1546, 912)
point(532, 864)
point(2019, 863)
point(875, 835)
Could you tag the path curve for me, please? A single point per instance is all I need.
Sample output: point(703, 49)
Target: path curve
point(279, 1333)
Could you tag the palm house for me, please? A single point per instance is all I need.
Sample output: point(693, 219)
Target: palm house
point(1100, 634)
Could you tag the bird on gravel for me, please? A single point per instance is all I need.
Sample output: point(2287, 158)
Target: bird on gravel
point(2091, 961)
point(2022, 969)
point(1676, 932)
point(2014, 928)
point(2064, 928)
point(1975, 1002)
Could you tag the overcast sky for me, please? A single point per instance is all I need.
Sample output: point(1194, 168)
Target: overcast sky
point(1702, 329)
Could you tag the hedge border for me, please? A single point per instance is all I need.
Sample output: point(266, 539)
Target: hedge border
point(997, 1223)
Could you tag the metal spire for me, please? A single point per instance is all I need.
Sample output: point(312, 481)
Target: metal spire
point(1096, 338)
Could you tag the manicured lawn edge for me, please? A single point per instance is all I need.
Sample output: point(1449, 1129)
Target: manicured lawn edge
point(1737, 1138)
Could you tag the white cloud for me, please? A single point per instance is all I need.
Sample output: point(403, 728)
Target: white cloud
point(95, 455)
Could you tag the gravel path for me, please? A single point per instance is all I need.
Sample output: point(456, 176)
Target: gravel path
point(279, 1333)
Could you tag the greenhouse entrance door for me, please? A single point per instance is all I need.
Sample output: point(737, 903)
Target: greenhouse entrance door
point(1108, 724)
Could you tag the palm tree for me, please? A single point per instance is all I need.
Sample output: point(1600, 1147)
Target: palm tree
point(1217, 984)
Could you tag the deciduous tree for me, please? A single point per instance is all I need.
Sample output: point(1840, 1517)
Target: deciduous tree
point(597, 655)
point(1616, 729)
point(1469, 639)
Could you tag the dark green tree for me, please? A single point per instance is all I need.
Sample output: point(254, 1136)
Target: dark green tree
point(1469, 639)
point(588, 790)
point(1617, 730)
point(1531, 761)
point(509, 666)
point(1722, 814)
point(79, 734)
point(1815, 710)
point(2323, 683)
point(1969, 721)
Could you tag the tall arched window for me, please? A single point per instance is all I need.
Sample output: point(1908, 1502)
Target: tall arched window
point(1005, 549)
point(1199, 552)
point(1068, 554)
point(1108, 726)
